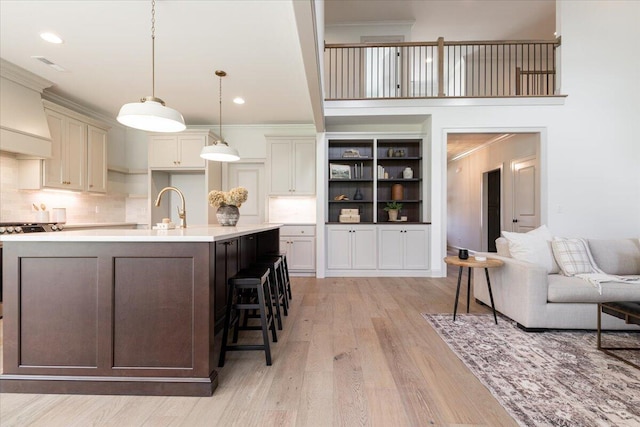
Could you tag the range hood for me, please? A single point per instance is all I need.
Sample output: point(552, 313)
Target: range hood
point(23, 125)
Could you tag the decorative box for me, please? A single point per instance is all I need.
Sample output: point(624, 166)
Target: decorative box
point(349, 212)
point(349, 218)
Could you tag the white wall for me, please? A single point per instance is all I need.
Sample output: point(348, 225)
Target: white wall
point(593, 150)
point(250, 140)
point(589, 146)
point(352, 33)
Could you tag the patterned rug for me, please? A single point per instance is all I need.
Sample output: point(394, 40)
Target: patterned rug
point(553, 378)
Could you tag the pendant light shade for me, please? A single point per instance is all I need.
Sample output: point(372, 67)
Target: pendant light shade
point(220, 151)
point(150, 113)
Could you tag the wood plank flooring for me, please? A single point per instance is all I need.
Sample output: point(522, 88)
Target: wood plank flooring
point(353, 352)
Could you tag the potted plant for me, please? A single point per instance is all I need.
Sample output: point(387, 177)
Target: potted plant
point(393, 208)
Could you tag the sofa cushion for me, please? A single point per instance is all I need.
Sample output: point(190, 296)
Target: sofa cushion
point(533, 247)
point(502, 247)
point(575, 290)
point(616, 256)
point(572, 256)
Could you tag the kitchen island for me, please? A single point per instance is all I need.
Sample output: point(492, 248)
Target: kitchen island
point(120, 311)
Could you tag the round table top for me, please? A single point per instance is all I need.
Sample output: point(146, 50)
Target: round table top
point(472, 262)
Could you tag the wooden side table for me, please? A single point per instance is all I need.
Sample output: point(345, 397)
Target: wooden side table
point(473, 263)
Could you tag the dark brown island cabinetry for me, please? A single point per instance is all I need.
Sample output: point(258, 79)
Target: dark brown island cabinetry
point(123, 317)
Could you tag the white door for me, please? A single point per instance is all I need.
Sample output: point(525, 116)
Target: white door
point(382, 67)
point(280, 160)
point(303, 253)
point(415, 249)
point(190, 148)
point(76, 154)
point(304, 157)
point(251, 177)
point(339, 247)
point(526, 195)
point(390, 253)
point(96, 160)
point(364, 248)
point(163, 152)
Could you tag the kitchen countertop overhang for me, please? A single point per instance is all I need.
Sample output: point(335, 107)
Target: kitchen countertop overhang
point(197, 233)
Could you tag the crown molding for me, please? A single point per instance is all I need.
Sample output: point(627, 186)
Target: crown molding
point(23, 77)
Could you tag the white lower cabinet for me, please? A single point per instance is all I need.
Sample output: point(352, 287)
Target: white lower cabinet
point(299, 242)
point(378, 250)
point(403, 247)
point(351, 247)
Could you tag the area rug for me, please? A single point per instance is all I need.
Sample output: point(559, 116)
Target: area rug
point(552, 378)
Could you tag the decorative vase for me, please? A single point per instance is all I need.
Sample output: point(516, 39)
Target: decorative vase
point(407, 173)
point(397, 192)
point(228, 215)
point(393, 214)
point(358, 195)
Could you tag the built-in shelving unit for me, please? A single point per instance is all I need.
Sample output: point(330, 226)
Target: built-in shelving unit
point(354, 168)
point(395, 156)
point(356, 156)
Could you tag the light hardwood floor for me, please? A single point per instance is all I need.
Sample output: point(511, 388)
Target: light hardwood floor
point(354, 351)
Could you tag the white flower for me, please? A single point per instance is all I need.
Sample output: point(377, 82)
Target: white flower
point(236, 197)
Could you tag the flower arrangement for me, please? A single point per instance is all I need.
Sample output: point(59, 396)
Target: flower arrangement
point(235, 197)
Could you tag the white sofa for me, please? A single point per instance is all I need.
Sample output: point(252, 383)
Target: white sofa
point(535, 299)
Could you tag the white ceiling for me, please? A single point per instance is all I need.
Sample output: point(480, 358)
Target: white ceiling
point(107, 49)
point(107, 55)
point(455, 20)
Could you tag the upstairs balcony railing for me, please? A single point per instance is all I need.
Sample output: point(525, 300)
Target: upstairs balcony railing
point(440, 69)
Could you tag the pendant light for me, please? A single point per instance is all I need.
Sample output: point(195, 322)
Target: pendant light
point(220, 151)
point(150, 113)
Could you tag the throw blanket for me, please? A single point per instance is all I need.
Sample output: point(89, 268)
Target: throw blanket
point(597, 279)
point(574, 254)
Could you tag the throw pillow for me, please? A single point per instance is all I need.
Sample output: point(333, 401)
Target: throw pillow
point(502, 247)
point(573, 256)
point(533, 247)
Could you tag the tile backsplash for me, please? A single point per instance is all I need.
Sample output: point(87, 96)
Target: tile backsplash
point(17, 205)
point(292, 210)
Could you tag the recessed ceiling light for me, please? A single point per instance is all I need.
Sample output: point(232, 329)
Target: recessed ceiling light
point(51, 38)
point(238, 100)
point(429, 60)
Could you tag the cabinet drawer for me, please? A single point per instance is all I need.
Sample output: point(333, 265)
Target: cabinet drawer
point(298, 230)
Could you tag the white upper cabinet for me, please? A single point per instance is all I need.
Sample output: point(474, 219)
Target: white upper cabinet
point(96, 159)
point(79, 153)
point(174, 151)
point(65, 169)
point(292, 166)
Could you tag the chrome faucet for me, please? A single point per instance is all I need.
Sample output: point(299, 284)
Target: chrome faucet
point(182, 213)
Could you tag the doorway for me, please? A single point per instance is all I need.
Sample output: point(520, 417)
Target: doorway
point(493, 193)
point(509, 163)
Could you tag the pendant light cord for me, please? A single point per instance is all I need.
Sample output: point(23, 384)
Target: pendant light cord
point(220, 101)
point(153, 48)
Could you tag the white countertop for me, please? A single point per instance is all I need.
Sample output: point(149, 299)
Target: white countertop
point(196, 233)
point(68, 226)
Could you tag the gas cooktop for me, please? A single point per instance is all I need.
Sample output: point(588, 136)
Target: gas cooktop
point(29, 227)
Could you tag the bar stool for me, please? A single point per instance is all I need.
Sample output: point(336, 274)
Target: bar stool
point(250, 289)
point(287, 279)
point(274, 263)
